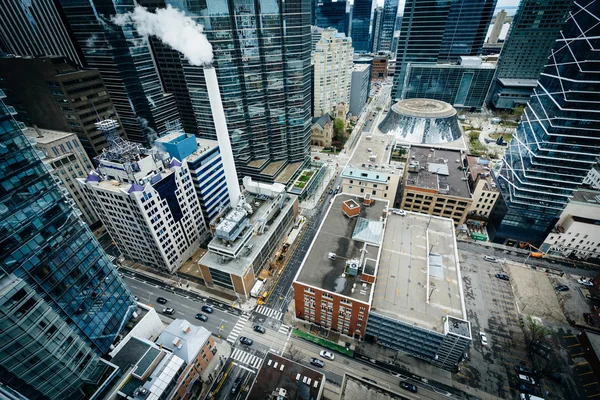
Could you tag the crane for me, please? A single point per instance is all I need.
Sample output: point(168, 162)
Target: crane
point(534, 254)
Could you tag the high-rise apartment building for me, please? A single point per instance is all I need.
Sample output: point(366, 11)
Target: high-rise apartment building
point(64, 155)
point(36, 27)
point(332, 62)
point(497, 29)
point(44, 242)
point(265, 81)
point(54, 93)
point(361, 25)
point(529, 42)
point(388, 25)
point(440, 31)
point(128, 68)
point(557, 141)
point(154, 193)
point(332, 14)
point(376, 29)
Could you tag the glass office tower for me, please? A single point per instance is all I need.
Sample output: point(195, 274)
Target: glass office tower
point(557, 141)
point(388, 25)
point(44, 242)
point(330, 14)
point(361, 25)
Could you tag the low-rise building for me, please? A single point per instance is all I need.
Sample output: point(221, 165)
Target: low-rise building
point(483, 187)
point(322, 131)
point(363, 277)
point(436, 183)
point(380, 67)
point(360, 88)
point(281, 378)
point(67, 160)
point(246, 237)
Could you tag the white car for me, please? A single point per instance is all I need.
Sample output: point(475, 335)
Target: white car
point(399, 212)
point(490, 258)
point(483, 338)
point(526, 378)
point(585, 282)
point(327, 355)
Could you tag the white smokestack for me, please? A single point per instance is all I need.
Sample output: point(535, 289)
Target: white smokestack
point(214, 95)
point(174, 29)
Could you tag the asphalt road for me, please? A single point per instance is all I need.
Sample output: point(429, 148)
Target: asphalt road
point(222, 386)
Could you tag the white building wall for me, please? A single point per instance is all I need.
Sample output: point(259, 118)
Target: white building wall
point(593, 178)
point(579, 238)
point(483, 199)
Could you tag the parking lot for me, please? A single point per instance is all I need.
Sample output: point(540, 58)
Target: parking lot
point(491, 309)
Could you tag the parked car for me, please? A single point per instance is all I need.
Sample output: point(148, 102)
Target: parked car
point(369, 380)
point(483, 338)
point(503, 276)
point(327, 355)
point(201, 317)
point(246, 341)
point(408, 386)
point(236, 385)
point(317, 158)
point(207, 309)
point(317, 362)
point(528, 389)
point(526, 378)
point(523, 370)
point(399, 212)
point(490, 258)
point(259, 329)
point(169, 311)
point(161, 300)
point(562, 288)
point(585, 282)
point(330, 191)
point(136, 298)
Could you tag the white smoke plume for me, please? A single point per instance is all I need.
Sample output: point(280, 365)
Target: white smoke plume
point(173, 28)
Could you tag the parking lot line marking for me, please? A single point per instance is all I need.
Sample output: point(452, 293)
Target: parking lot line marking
point(594, 395)
point(575, 355)
point(569, 336)
point(586, 373)
point(589, 384)
point(581, 363)
point(573, 345)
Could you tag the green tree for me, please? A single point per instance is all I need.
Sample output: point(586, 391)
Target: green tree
point(338, 129)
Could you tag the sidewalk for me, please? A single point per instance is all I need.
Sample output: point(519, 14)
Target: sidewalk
point(192, 287)
point(214, 366)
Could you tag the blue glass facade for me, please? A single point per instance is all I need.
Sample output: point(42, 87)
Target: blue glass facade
point(557, 141)
point(388, 25)
point(44, 242)
point(330, 14)
point(361, 25)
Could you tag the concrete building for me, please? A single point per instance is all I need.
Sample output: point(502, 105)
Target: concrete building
point(152, 191)
point(593, 178)
point(483, 187)
point(354, 278)
point(497, 29)
point(67, 160)
point(322, 131)
point(195, 346)
point(332, 60)
point(436, 183)
point(464, 85)
point(54, 93)
point(245, 237)
point(380, 67)
point(577, 233)
point(371, 169)
point(590, 344)
point(376, 23)
point(360, 88)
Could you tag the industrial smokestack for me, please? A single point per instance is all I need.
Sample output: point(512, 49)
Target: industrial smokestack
point(214, 95)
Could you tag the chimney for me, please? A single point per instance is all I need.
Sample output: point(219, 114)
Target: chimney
point(39, 133)
point(214, 95)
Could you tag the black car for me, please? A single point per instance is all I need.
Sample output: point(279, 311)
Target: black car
point(528, 389)
point(236, 385)
point(370, 380)
point(317, 362)
point(504, 277)
point(201, 317)
point(562, 288)
point(523, 370)
point(259, 329)
point(246, 341)
point(161, 300)
point(207, 309)
point(408, 386)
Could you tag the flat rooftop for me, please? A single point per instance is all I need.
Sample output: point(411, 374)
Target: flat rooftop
point(374, 153)
point(48, 135)
point(401, 287)
point(438, 170)
point(247, 256)
point(335, 236)
point(298, 381)
point(354, 388)
point(287, 172)
point(587, 196)
point(479, 168)
point(531, 83)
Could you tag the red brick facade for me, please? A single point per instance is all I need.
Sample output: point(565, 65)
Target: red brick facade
point(193, 371)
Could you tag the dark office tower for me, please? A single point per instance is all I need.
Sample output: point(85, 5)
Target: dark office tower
point(262, 60)
point(55, 93)
point(466, 28)
point(125, 61)
point(557, 141)
point(388, 25)
point(65, 297)
point(361, 25)
point(332, 14)
point(376, 29)
point(534, 28)
point(36, 27)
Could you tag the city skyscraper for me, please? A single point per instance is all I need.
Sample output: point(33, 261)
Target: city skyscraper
point(361, 25)
point(388, 25)
point(497, 29)
point(332, 14)
point(57, 277)
point(126, 64)
point(376, 29)
point(440, 31)
point(36, 27)
point(557, 141)
point(265, 81)
point(535, 27)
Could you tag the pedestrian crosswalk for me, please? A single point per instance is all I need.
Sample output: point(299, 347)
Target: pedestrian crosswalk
point(246, 358)
point(237, 329)
point(284, 329)
point(269, 312)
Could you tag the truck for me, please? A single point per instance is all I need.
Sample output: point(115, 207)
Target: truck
point(257, 288)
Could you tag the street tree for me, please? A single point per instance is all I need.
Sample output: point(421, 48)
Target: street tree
point(294, 353)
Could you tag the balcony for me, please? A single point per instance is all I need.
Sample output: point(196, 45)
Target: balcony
point(11, 110)
point(2, 95)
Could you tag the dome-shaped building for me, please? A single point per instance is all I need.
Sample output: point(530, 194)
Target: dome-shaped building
point(422, 121)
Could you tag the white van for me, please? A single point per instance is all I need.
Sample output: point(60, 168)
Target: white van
point(490, 258)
